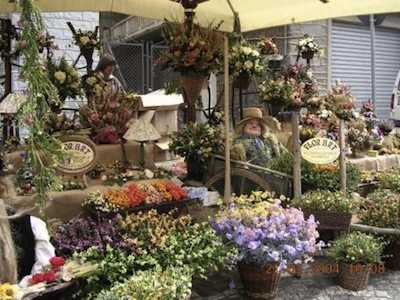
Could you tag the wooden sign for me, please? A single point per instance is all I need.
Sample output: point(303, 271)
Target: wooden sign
point(320, 151)
point(79, 155)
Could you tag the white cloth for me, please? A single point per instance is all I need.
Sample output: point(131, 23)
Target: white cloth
point(44, 250)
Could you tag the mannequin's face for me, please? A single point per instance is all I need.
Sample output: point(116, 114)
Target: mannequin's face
point(252, 128)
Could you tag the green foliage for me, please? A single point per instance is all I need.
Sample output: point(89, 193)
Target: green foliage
point(197, 141)
point(390, 180)
point(317, 178)
point(327, 201)
point(170, 284)
point(356, 248)
point(42, 149)
point(382, 209)
point(114, 266)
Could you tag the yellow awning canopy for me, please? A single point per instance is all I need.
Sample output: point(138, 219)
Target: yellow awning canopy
point(254, 14)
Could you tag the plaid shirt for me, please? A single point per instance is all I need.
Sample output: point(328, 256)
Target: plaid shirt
point(258, 150)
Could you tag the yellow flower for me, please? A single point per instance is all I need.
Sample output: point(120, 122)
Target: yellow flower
point(84, 40)
point(60, 76)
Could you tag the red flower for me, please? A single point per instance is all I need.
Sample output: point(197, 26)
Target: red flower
point(57, 261)
point(50, 276)
point(38, 278)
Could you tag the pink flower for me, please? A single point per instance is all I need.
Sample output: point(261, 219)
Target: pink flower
point(94, 117)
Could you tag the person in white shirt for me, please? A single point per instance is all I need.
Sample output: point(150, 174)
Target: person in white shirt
point(30, 244)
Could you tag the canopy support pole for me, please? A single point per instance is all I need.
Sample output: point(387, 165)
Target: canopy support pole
point(227, 191)
point(296, 155)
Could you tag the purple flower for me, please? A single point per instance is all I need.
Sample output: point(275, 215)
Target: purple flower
point(253, 245)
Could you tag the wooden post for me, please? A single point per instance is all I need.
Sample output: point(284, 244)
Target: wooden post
point(342, 159)
point(227, 192)
point(296, 155)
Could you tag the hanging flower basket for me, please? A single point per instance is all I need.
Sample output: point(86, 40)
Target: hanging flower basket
point(353, 277)
point(242, 81)
point(330, 220)
point(274, 108)
point(392, 250)
point(87, 53)
point(192, 85)
point(308, 55)
point(260, 282)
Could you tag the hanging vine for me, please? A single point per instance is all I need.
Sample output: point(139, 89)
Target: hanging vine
point(42, 149)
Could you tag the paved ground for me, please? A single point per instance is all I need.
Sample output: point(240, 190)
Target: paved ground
point(310, 287)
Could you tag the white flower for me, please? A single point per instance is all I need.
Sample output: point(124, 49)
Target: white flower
point(248, 65)
point(247, 50)
point(60, 76)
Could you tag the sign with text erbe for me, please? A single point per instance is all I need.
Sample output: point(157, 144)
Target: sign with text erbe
point(320, 151)
point(79, 155)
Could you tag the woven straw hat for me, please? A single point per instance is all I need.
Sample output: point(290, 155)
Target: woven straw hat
point(251, 113)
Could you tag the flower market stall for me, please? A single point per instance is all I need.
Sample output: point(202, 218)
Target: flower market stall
point(119, 227)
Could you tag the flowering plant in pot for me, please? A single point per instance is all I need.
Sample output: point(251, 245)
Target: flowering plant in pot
point(193, 52)
point(196, 143)
point(244, 63)
point(333, 210)
point(382, 209)
point(356, 253)
point(267, 47)
point(66, 79)
point(358, 137)
point(276, 93)
point(268, 238)
point(108, 117)
point(340, 101)
point(307, 47)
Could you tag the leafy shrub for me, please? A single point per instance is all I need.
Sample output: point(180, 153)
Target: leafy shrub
point(327, 201)
point(356, 248)
point(314, 177)
point(390, 180)
point(381, 209)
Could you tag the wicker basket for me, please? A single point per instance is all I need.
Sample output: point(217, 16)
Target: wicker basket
point(353, 277)
point(330, 220)
point(260, 282)
point(393, 251)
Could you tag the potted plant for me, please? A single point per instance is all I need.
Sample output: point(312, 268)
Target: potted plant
point(382, 210)
point(307, 47)
point(340, 101)
point(269, 239)
point(276, 94)
point(358, 138)
point(196, 143)
point(270, 51)
point(244, 63)
point(333, 210)
point(355, 253)
point(194, 53)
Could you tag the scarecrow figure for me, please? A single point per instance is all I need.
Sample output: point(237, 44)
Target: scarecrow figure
point(254, 142)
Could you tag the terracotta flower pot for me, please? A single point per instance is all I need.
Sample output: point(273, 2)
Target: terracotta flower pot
point(192, 86)
point(353, 277)
point(260, 282)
